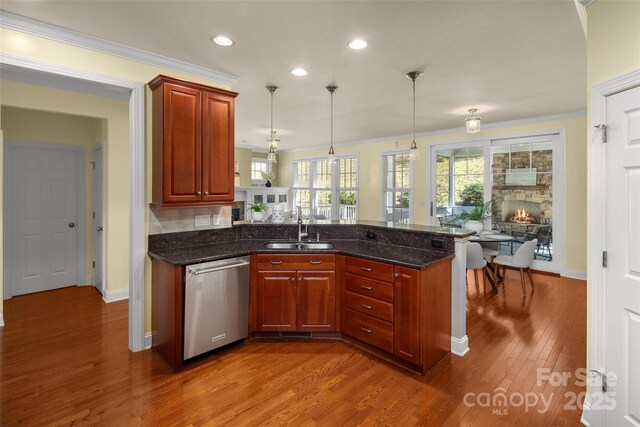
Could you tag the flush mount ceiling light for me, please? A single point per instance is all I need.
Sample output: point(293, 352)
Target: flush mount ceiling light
point(300, 72)
point(357, 44)
point(472, 123)
point(332, 155)
point(273, 140)
point(221, 40)
point(413, 152)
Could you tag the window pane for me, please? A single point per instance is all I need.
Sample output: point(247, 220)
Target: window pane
point(302, 198)
point(323, 174)
point(442, 164)
point(469, 190)
point(323, 204)
point(348, 173)
point(301, 174)
point(257, 167)
point(347, 207)
point(542, 156)
point(520, 156)
point(442, 191)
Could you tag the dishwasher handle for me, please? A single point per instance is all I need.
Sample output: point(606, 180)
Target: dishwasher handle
point(222, 267)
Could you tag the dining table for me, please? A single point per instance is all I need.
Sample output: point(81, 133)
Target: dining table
point(492, 237)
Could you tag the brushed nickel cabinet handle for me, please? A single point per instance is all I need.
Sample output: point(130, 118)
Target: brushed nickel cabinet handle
point(315, 262)
point(276, 262)
point(366, 330)
point(368, 307)
point(366, 287)
point(366, 269)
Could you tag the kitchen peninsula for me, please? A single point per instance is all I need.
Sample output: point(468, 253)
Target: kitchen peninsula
point(388, 289)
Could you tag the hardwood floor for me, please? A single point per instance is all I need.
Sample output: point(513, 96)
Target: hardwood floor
point(64, 360)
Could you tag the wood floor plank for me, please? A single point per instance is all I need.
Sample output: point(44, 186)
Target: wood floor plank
point(64, 360)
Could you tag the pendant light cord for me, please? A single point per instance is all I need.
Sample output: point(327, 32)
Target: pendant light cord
point(332, 119)
point(414, 110)
point(271, 137)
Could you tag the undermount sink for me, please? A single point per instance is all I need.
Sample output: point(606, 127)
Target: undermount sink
point(299, 245)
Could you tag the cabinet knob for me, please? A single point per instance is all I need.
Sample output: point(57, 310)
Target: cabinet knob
point(206, 193)
point(396, 275)
point(366, 329)
point(198, 193)
point(299, 279)
point(367, 269)
point(293, 279)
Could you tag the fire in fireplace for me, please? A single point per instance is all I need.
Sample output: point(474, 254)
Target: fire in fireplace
point(522, 217)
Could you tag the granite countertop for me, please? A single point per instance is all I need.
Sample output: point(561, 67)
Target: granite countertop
point(399, 255)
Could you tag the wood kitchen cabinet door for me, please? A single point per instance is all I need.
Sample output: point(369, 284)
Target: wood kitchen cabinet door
point(217, 147)
point(182, 150)
point(276, 301)
point(316, 305)
point(406, 324)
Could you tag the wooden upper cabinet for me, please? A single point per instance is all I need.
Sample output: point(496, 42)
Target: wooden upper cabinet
point(193, 144)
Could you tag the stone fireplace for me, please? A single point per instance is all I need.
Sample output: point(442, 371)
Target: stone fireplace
point(521, 211)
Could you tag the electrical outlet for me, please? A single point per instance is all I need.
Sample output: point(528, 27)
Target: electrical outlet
point(371, 235)
point(203, 220)
point(437, 243)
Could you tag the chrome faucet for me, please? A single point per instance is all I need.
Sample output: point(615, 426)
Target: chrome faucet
point(301, 233)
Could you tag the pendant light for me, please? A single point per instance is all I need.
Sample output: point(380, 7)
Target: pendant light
point(332, 155)
point(413, 152)
point(472, 123)
point(273, 139)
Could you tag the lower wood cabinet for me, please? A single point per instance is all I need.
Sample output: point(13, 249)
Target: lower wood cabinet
point(407, 325)
point(293, 300)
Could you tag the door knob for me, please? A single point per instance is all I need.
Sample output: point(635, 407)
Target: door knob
point(99, 228)
point(72, 224)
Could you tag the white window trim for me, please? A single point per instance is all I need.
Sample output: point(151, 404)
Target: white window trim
point(383, 206)
point(335, 181)
point(269, 168)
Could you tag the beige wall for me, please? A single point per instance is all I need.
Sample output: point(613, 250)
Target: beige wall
point(21, 124)
point(369, 175)
point(115, 135)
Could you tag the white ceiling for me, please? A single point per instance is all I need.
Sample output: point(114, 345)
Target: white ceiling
point(510, 59)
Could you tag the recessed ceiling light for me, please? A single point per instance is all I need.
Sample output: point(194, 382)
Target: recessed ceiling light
point(221, 40)
point(357, 44)
point(299, 72)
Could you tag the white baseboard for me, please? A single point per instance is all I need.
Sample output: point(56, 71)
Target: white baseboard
point(575, 274)
point(460, 346)
point(147, 340)
point(88, 280)
point(118, 295)
point(590, 417)
point(1, 320)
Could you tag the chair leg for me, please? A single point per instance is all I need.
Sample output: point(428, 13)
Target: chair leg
point(530, 279)
point(475, 273)
point(522, 281)
point(484, 279)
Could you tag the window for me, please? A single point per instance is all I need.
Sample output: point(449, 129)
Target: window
point(459, 180)
point(257, 167)
point(396, 190)
point(324, 190)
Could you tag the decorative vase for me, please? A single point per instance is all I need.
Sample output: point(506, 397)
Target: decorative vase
point(472, 225)
point(257, 216)
point(277, 214)
point(267, 184)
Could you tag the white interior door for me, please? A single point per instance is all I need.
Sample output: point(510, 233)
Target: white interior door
point(98, 225)
point(623, 261)
point(41, 223)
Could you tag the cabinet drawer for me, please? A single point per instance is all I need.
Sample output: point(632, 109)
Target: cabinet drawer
point(368, 329)
point(371, 306)
point(296, 262)
point(372, 269)
point(369, 287)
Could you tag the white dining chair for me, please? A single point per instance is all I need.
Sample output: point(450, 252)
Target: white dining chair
point(522, 260)
point(476, 261)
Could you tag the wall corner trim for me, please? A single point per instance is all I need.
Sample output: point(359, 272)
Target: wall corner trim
point(460, 346)
point(117, 295)
point(53, 32)
point(1, 320)
point(147, 340)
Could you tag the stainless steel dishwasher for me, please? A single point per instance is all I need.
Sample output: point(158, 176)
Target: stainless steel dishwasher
point(216, 309)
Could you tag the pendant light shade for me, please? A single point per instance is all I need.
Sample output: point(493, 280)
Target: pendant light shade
point(472, 123)
point(413, 151)
point(332, 155)
point(273, 139)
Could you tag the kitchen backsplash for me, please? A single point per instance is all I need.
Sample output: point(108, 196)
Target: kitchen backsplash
point(162, 221)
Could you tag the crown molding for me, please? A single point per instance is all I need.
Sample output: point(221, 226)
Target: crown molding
point(587, 3)
point(53, 32)
point(497, 125)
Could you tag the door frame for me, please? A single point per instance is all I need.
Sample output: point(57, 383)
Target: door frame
point(94, 148)
point(596, 277)
point(137, 200)
point(9, 145)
